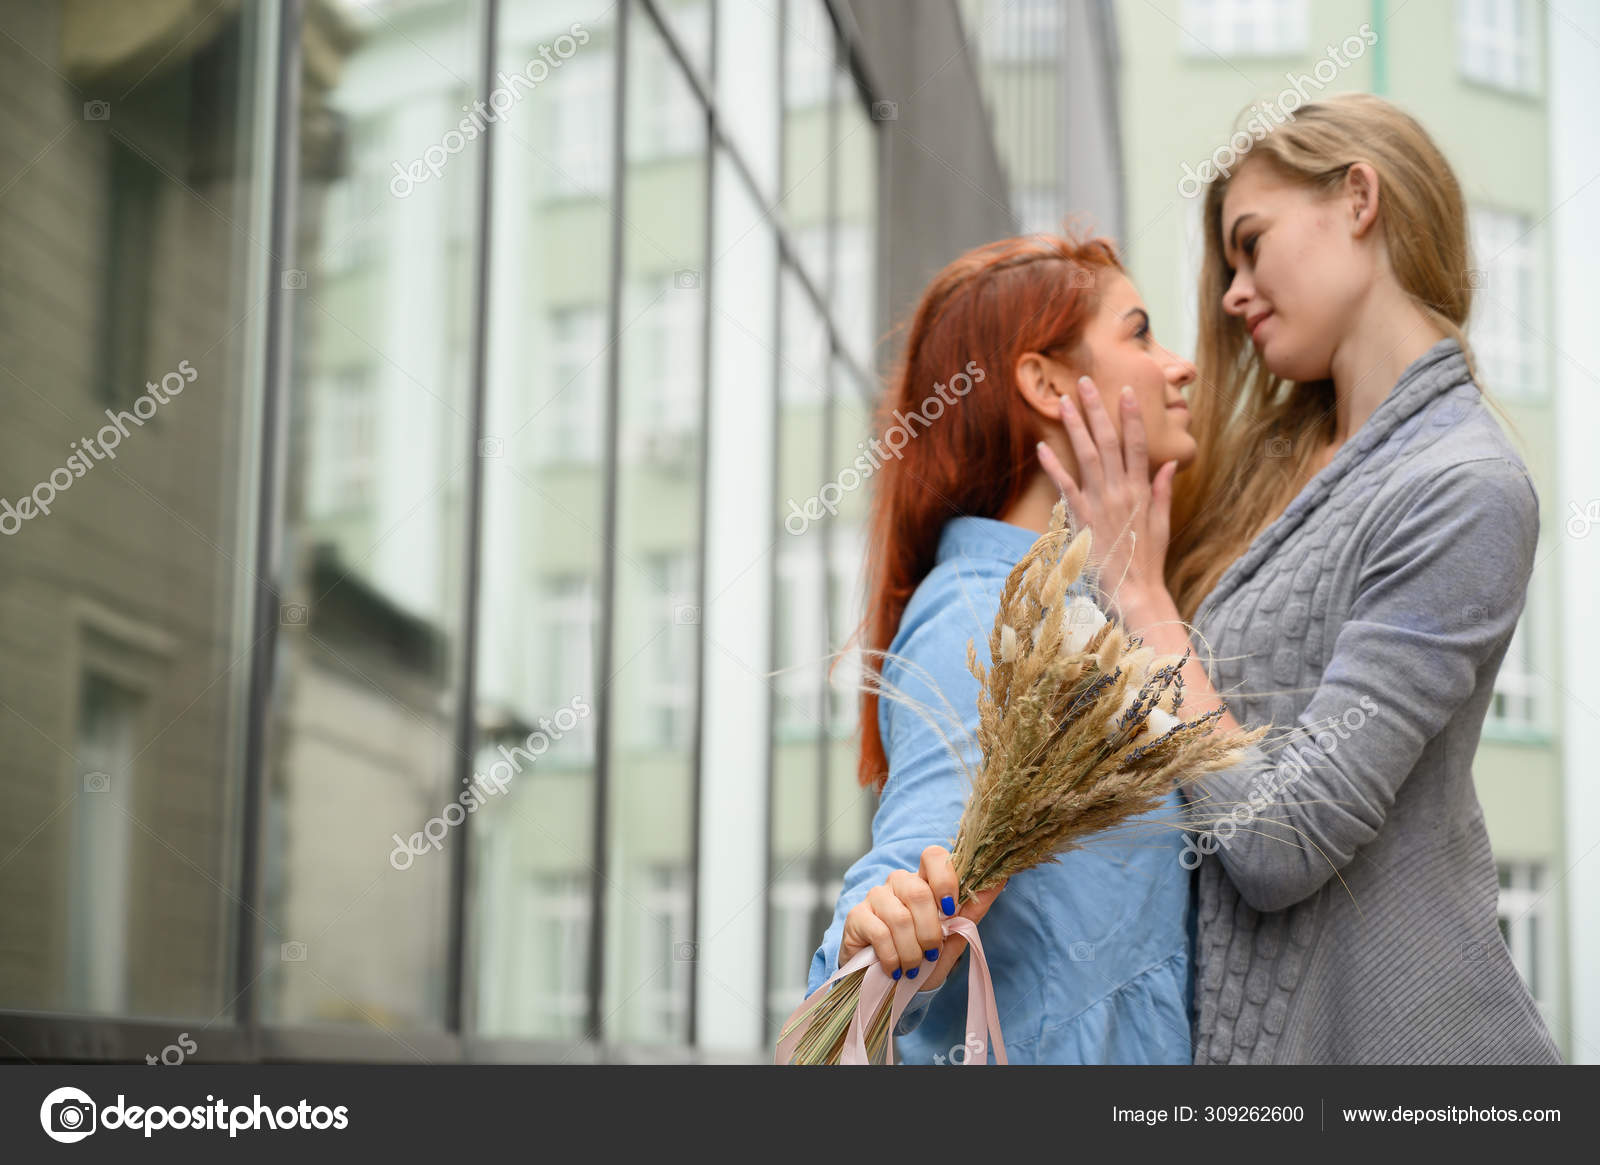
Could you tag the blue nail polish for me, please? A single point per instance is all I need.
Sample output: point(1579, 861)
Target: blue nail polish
point(911, 974)
point(896, 974)
point(949, 904)
point(932, 953)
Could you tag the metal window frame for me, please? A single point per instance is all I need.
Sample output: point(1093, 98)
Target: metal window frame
point(60, 1037)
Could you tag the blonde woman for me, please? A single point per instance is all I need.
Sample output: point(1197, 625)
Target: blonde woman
point(1352, 545)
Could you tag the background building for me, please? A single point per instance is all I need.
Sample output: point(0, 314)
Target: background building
point(518, 328)
point(482, 474)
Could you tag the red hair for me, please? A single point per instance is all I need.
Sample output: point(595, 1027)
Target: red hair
point(991, 306)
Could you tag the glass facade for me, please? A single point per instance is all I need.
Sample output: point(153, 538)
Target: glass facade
point(380, 579)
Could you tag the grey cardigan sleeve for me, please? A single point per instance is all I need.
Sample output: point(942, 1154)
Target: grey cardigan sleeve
point(1439, 594)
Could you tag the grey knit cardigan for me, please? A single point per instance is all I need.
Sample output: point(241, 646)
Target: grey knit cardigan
point(1346, 907)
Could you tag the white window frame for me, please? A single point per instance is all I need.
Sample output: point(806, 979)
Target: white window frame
point(577, 340)
point(845, 568)
point(667, 705)
point(663, 924)
point(1520, 703)
point(1524, 911)
point(561, 656)
point(1507, 302)
point(347, 459)
point(1022, 30)
point(558, 910)
point(802, 634)
point(581, 97)
point(1244, 28)
point(794, 899)
point(1497, 44)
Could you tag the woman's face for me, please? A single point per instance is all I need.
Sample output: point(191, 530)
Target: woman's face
point(1119, 348)
point(1300, 272)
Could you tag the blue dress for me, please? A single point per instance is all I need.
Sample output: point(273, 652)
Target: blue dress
point(1090, 955)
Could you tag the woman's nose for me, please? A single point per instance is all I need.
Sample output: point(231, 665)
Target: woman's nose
point(1237, 295)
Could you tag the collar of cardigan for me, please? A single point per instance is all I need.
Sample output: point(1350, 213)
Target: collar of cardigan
point(1438, 370)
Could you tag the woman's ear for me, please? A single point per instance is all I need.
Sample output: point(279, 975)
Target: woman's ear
point(1361, 184)
point(1041, 381)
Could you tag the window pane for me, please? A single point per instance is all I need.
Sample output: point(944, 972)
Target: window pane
point(362, 749)
point(649, 948)
point(848, 829)
point(540, 595)
point(855, 273)
point(800, 619)
point(690, 22)
point(749, 39)
point(808, 57)
point(132, 221)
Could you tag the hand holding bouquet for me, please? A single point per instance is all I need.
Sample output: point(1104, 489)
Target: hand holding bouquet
point(1079, 729)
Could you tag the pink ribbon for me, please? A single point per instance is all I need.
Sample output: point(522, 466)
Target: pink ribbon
point(983, 1016)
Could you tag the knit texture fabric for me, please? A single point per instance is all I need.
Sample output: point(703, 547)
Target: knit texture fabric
point(1347, 906)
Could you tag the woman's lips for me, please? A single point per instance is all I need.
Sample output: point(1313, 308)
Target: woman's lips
point(1255, 324)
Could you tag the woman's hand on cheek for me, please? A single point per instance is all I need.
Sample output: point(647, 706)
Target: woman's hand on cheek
point(1130, 515)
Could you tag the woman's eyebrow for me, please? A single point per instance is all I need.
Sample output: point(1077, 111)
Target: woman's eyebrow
point(1233, 232)
point(1133, 311)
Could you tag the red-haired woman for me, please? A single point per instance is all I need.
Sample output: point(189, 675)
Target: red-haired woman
point(1090, 956)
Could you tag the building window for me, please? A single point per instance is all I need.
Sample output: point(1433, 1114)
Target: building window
point(562, 659)
point(1517, 702)
point(580, 113)
point(808, 55)
point(666, 944)
point(845, 567)
point(577, 363)
point(793, 903)
point(347, 462)
point(1243, 28)
point(668, 702)
point(676, 402)
point(801, 635)
point(99, 898)
point(1525, 925)
point(1021, 30)
point(1497, 43)
point(1506, 301)
point(558, 911)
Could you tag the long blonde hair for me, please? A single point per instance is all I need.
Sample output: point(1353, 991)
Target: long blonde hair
point(1258, 433)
